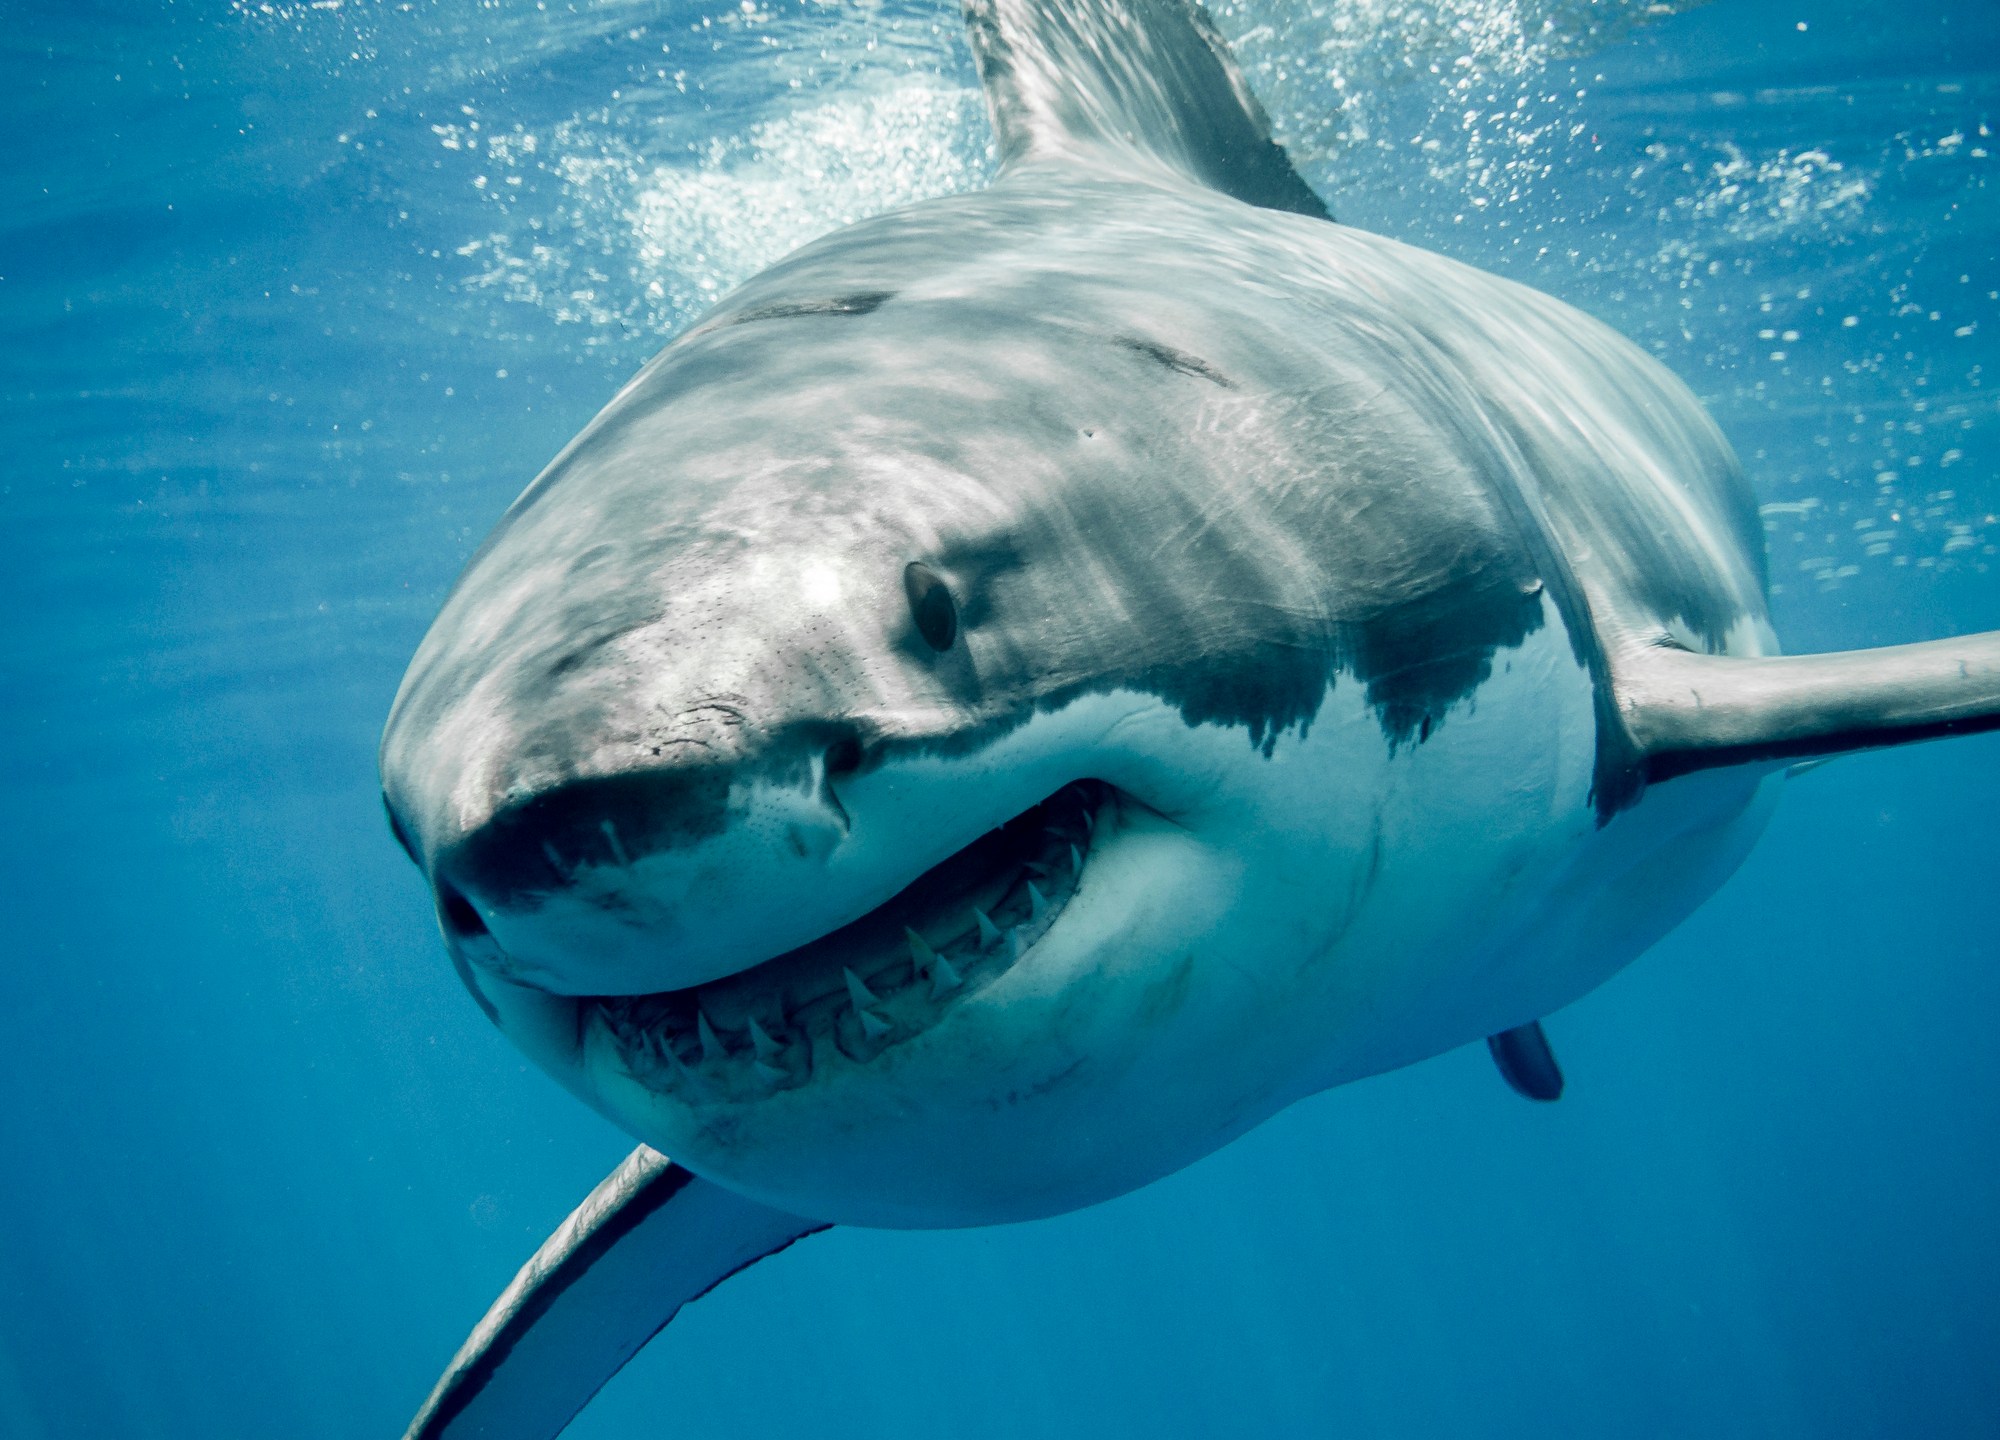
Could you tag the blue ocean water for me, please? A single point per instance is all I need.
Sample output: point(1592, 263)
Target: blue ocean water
point(295, 297)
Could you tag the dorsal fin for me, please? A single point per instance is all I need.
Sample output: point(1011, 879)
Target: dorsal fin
point(1687, 712)
point(1127, 82)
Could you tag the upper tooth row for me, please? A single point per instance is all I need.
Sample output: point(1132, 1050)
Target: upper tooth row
point(943, 975)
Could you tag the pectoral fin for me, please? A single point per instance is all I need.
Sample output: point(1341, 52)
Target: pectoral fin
point(1687, 712)
point(646, 1241)
point(1526, 1062)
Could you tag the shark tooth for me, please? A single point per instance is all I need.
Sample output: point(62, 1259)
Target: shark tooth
point(1010, 948)
point(872, 1025)
point(989, 933)
point(921, 954)
point(768, 1073)
point(1075, 861)
point(1090, 821)
point(674, 1061)
point(763, 1044)
point(617, 846)
point(1036, 867)
point(711, 1043)
point(696, 1084)
point(944, 979)
point(861, 996)
point(1038, 905)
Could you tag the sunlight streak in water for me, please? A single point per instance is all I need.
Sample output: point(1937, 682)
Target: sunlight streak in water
point(613, 170)
point(655, 244)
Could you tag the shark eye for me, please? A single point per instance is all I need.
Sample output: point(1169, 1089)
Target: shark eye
point(931, 606)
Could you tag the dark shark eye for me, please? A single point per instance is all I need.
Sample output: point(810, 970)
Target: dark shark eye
point(931, 606)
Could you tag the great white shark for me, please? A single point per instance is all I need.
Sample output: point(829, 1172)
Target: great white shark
point(1036, 682)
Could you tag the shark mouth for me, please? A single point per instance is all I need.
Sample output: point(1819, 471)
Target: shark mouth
point(875, 982)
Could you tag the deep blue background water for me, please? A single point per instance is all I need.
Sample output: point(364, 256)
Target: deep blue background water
point(282, 334)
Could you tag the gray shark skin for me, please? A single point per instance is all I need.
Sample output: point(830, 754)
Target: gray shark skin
point(1038, 681)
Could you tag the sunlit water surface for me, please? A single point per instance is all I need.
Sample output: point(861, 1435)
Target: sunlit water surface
point(295, 297)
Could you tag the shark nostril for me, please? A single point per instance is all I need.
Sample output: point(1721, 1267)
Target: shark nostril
point(460, 919)
point(843, 756)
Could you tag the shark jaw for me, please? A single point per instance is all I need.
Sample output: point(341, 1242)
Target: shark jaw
point(1235, 930)
point(950, 1071)
point(875, 983)
point(959, 1054)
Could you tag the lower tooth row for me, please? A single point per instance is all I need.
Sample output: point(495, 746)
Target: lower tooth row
point(766, 1053)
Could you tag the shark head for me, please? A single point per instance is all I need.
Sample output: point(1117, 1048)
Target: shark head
point(867, 762)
